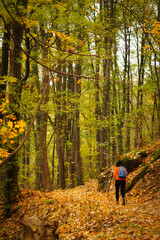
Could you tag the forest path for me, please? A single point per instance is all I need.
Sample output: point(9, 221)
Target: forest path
point(85, 213)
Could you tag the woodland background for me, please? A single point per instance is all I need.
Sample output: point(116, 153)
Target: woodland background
point(79, 88)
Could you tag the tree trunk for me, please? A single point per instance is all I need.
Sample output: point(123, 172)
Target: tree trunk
point(36, 126)
point(114, 108)
point(12, 169)
point(70, 125)
point(97, 105)
point(128, 134)
point(105, 134)
point(138, 140)
point(47, 183)
point(60, 134)
point(5, 57)
point(4, 72)
point(76, 130)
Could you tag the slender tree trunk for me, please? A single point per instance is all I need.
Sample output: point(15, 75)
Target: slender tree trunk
point(114, 108)
point(97, 113)
point(47, 183)
point(70, 149)
point(140, 94)
point(76, 130)
point(36, 126)
point(60, 134)
point(53, 162)
point(128, 134)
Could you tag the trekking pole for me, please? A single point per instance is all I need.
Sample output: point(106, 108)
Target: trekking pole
point(109, 184)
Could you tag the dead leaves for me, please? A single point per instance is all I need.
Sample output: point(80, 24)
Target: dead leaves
point(84, 213)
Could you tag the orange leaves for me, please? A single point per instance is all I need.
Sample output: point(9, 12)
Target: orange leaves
point(84, 213)
point(66, 41)
point(57, 79)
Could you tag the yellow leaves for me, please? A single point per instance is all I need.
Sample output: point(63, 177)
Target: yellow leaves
point(59, 34)
point(60, 7)
point(3, 130)
point(11, 116)
point(30, 23)
point(79, 81)
point(9, 129)
point(3, 153)
point(69, 49)
point(51, 31)
point(2, 107)
point(146, 47)
point(21, 124)
point(10, 124)
point(155, 31)
point(66, 41)
point(9, 79)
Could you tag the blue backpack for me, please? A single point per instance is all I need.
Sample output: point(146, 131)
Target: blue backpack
point(122, 174)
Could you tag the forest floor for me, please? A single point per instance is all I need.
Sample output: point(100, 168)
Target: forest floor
point(85, 213)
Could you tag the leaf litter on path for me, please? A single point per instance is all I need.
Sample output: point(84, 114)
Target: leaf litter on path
point(85, 213)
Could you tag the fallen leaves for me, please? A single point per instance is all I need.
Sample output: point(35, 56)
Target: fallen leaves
point(85, 213)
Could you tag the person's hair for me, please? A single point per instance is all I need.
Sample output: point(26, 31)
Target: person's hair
point(119, 163)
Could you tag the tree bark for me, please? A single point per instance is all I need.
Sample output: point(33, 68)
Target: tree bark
point(76, 130)
point(12, 169)
point(47, 183)
point(105, 134)
point(128, 133)
point(70, 125)
point(141, 62)
point(60, 134)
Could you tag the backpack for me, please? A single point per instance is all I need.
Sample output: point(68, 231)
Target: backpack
point(122, 174)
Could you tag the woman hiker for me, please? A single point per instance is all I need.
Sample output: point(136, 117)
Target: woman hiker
point(120, 174)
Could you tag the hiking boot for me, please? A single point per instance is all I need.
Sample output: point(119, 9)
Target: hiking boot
point(123, 202)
